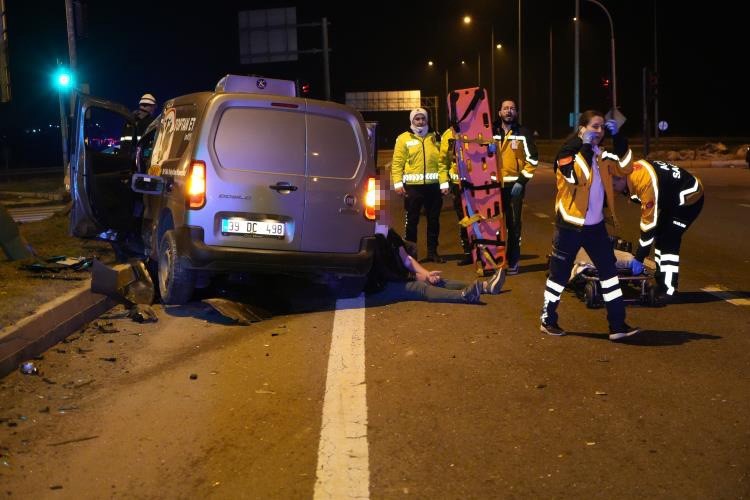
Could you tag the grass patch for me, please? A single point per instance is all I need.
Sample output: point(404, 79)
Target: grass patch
point(22, 292)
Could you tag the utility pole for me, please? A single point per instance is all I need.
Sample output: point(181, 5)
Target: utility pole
point(520, 99)
point(4, 70)
point(656, 72)
point(70, 21)
point(326, 63)
point(577, 64)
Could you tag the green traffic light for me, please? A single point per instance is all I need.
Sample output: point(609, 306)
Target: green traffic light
point(63, 79)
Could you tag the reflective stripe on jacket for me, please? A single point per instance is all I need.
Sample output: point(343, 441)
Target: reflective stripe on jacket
point(416, 160)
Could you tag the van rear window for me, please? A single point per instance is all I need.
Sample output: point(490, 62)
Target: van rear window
point(333, 148)
point(261, 140)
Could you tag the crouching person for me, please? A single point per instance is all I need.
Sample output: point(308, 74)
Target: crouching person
point(671, 198)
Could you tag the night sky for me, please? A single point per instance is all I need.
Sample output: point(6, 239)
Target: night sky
point(167, 49)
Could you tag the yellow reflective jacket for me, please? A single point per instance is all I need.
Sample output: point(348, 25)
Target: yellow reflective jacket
point(448, 155)
point(518, 154)
point(574, 176)
point(416, 160)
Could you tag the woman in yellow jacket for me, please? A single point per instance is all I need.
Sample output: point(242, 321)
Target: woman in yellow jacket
point(584, 171)
point(418, 175)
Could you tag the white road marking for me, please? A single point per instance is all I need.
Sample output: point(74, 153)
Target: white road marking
point(541, 215)
point(723, 293)
point(343, 461)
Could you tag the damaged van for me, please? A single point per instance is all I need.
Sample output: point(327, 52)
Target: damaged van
point(246, 178)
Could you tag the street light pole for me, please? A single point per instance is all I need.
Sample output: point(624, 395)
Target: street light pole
point(492, 65)
point(612, 47)
point(520, 99)
point(577, 64)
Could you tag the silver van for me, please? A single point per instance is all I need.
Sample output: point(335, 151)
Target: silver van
point(247, 178)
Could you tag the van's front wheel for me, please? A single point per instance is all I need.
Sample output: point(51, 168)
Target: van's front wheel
point(176, 279)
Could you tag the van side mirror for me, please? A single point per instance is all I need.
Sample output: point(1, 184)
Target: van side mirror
point(147, 184)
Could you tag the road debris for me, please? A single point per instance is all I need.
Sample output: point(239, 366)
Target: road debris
point(142, 313)
point(243, 314)
point(28, 368)
point(76, 440)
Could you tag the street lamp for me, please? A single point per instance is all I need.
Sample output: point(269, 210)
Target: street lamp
point(612, 47)
point(467, 21)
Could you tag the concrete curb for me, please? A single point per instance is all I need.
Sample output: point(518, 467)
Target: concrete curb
point(49, 325)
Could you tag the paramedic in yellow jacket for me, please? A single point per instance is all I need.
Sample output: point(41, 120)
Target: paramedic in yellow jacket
point(448, 160)
point(417, 175)
point(671, 198)
point(518, 161)
point(584, 170)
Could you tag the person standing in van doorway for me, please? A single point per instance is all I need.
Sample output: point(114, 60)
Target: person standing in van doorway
point(518, 160)
point(143, 117)
point(418, 175)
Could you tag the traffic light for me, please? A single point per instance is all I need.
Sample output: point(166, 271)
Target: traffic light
point(63, 79)
point(653, 84)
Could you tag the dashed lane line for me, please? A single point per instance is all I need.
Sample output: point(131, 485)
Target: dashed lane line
point(343, 457)
point(724, 294)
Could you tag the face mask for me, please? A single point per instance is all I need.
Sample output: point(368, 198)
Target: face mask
point(420, 131)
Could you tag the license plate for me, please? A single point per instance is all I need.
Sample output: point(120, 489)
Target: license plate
point(258, 228)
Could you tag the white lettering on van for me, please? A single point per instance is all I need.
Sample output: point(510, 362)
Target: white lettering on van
point(184, 124)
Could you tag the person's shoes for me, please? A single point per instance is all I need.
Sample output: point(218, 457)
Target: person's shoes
point(435, 257)
point(495, 283)
point(552, 329)
point(472, 292)
point(623, 331)
point(466, 260)
point(514, 269)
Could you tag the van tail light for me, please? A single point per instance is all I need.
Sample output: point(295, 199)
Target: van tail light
point(196, 185)
point(371, 199)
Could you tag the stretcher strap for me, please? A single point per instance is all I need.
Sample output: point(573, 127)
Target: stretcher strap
point(477, 217)
point(481, 187)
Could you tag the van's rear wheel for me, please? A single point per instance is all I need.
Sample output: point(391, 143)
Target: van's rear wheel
point(176, 279)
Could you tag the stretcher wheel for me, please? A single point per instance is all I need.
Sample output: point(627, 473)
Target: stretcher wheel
point(591, 295)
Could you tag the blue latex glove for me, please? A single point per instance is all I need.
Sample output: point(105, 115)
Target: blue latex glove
point(492, 147)
point(636, 267)
point(516, 190)
point(611, 125)
point(589, 137)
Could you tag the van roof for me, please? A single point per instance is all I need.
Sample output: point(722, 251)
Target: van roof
point(256, 85)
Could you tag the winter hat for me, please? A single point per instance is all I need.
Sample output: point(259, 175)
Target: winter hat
point(417, 111)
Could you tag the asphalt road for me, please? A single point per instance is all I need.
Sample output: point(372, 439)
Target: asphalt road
point(352, 398)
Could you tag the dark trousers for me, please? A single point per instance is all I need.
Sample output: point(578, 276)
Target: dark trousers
point(449, 291)
point(512, 212)
point(429, 196)
point(667, 240)
point(463, 235)
point(565, 245)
